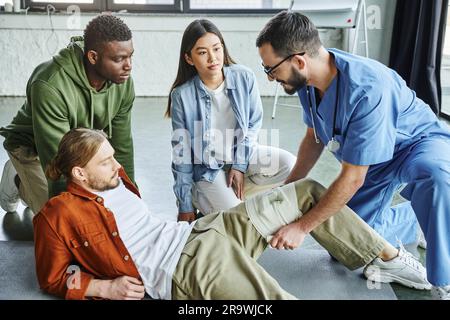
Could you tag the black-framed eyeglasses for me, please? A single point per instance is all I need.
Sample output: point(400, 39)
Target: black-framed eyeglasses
point(269, 70)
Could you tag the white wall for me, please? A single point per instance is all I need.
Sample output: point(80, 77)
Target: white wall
point(27, 40)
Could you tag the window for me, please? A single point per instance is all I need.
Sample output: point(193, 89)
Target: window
point(113, 5)
point(195, 6)
point(145, 5)
point(90, 5)
point(445, 71)
point(236, 5)
point(144, 1)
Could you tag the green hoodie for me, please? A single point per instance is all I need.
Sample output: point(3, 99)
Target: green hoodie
point(59, 98)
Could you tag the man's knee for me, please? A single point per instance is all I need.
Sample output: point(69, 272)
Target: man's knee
point(442, 180)
point(309, 187)
point(436, 173)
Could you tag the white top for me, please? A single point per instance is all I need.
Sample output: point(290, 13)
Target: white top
point(154, 245)
point(223, 124)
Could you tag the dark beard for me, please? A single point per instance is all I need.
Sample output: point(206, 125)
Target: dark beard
point(296, 82)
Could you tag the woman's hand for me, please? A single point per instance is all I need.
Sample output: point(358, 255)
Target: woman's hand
point(236, 180)
point(186, 216)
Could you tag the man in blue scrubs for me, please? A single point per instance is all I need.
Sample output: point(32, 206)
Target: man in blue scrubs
point(382, 134)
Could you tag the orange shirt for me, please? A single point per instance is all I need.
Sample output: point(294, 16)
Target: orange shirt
point(76, 239)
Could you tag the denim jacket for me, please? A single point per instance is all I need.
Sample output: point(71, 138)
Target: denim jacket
point(191, 123)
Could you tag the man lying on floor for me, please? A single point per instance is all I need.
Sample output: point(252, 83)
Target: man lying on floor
point(99, 239)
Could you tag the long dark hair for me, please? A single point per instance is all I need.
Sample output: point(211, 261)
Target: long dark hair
point(194, 31)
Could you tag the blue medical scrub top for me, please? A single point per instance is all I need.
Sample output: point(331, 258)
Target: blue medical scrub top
point(377, 114)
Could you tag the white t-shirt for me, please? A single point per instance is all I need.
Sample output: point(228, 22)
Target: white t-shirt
point(154, 245)
point(223, 124)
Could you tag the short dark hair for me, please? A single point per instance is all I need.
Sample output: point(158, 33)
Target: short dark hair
point(105, 28)
point(289, 32)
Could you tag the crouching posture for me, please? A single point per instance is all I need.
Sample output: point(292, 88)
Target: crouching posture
point(99, 239)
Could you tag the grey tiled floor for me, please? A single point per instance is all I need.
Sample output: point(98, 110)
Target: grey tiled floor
point(152, 148)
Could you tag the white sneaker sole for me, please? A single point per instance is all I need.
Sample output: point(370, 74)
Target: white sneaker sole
point(389, 278)
point(5, 204)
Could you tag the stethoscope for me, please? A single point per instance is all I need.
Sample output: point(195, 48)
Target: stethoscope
point(333, 145)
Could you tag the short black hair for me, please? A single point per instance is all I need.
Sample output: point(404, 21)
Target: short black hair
point(290, 32)
point(105, 28)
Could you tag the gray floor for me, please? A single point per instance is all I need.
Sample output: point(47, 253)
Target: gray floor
point(307, 272)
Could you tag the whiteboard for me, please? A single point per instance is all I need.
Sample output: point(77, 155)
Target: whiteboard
point(328, 13)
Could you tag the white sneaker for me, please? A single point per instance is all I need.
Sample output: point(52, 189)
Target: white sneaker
point(404, 269)
point(441, 293)
point(421, 242)
point(9, 194)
